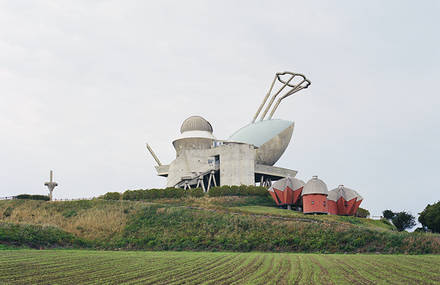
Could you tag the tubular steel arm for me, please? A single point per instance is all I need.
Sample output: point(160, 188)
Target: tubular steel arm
point(153, 155)
point(302, 83)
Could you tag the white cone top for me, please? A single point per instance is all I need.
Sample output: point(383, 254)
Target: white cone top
point(315, 186)
point(292, 183)
point(344, 192)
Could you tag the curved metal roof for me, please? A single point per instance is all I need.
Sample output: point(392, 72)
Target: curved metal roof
point(196, 123)
point(344, 192)
point(333, 195)
point(292, 183)
point(315, 186)
point(260, 132)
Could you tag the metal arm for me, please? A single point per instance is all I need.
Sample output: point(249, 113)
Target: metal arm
point(303, 83)
point(153, 155)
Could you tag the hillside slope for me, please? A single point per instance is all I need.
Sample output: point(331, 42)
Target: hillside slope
point(218, 224)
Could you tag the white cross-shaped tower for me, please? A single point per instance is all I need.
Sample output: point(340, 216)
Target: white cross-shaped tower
point(51, 185)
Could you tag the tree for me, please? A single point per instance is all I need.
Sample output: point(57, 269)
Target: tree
point(403, 221)
point(388, 214)
point(362, 213)
point(430, 217)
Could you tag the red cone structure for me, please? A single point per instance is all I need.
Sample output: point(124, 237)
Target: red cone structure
point(347, 201)
point(314, 197)
point(286, 191)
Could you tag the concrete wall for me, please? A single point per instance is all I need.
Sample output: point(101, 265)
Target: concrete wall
point(237, 164)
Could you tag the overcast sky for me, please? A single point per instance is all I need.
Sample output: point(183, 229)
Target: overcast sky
point(84, 84)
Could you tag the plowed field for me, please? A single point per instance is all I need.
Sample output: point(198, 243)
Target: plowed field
point(140, 267)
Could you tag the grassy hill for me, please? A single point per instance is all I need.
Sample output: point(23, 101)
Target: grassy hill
point(206, 223)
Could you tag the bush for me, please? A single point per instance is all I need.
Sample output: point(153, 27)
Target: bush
point(151, 194)
point(388, 214)
point(8, 212)
point(362, 213)
point(32, 197)
point(241, 190)
point(430, 217)
point(111, 196)
point(38, 236)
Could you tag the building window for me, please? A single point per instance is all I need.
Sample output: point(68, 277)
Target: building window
point(345, 204)
point(324, 203)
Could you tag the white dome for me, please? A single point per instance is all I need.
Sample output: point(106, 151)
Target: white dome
point(196, 123)
point(315, 186)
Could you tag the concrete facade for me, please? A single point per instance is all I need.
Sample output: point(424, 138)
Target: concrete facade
point(203, 161)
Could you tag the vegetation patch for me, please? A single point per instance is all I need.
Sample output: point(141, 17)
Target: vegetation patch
point(38, 236)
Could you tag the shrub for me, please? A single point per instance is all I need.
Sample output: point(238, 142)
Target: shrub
point(241, 190)
point(362, 213)
point(430, 217)
point(38, 236)
point(32, 197)
point(111, 196)
point(388, 214)
point(151, 194)
point(8, 212)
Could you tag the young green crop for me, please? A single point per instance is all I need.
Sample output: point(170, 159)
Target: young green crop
point(124, 267)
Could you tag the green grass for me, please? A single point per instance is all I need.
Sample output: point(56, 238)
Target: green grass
point(106, 267)
point(209, 224)
point(274, 211)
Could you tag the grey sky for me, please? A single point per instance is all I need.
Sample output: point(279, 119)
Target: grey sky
point(84, 84)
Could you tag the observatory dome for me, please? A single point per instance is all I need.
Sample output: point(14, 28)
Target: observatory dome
point(315, 186)
point(196, 133)
point(196, 123)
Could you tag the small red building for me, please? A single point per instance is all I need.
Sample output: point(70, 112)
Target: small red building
point(287, 191)
point(314, 196)
point(332, 200)
point(345, 200)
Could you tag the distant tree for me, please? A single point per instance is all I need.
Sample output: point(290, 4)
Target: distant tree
point(111, 196)
point(362, 213)
point(388, 214)
point(403, 221)
point(430, 217)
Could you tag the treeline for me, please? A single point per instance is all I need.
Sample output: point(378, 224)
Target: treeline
point(171, 192)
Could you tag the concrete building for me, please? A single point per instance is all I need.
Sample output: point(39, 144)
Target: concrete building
point(247, 157)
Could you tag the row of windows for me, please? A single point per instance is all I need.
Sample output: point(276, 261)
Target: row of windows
point(324, 203)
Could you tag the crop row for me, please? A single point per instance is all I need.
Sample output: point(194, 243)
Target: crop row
point(104, 267)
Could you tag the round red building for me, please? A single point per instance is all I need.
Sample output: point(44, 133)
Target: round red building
point(314, 196)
